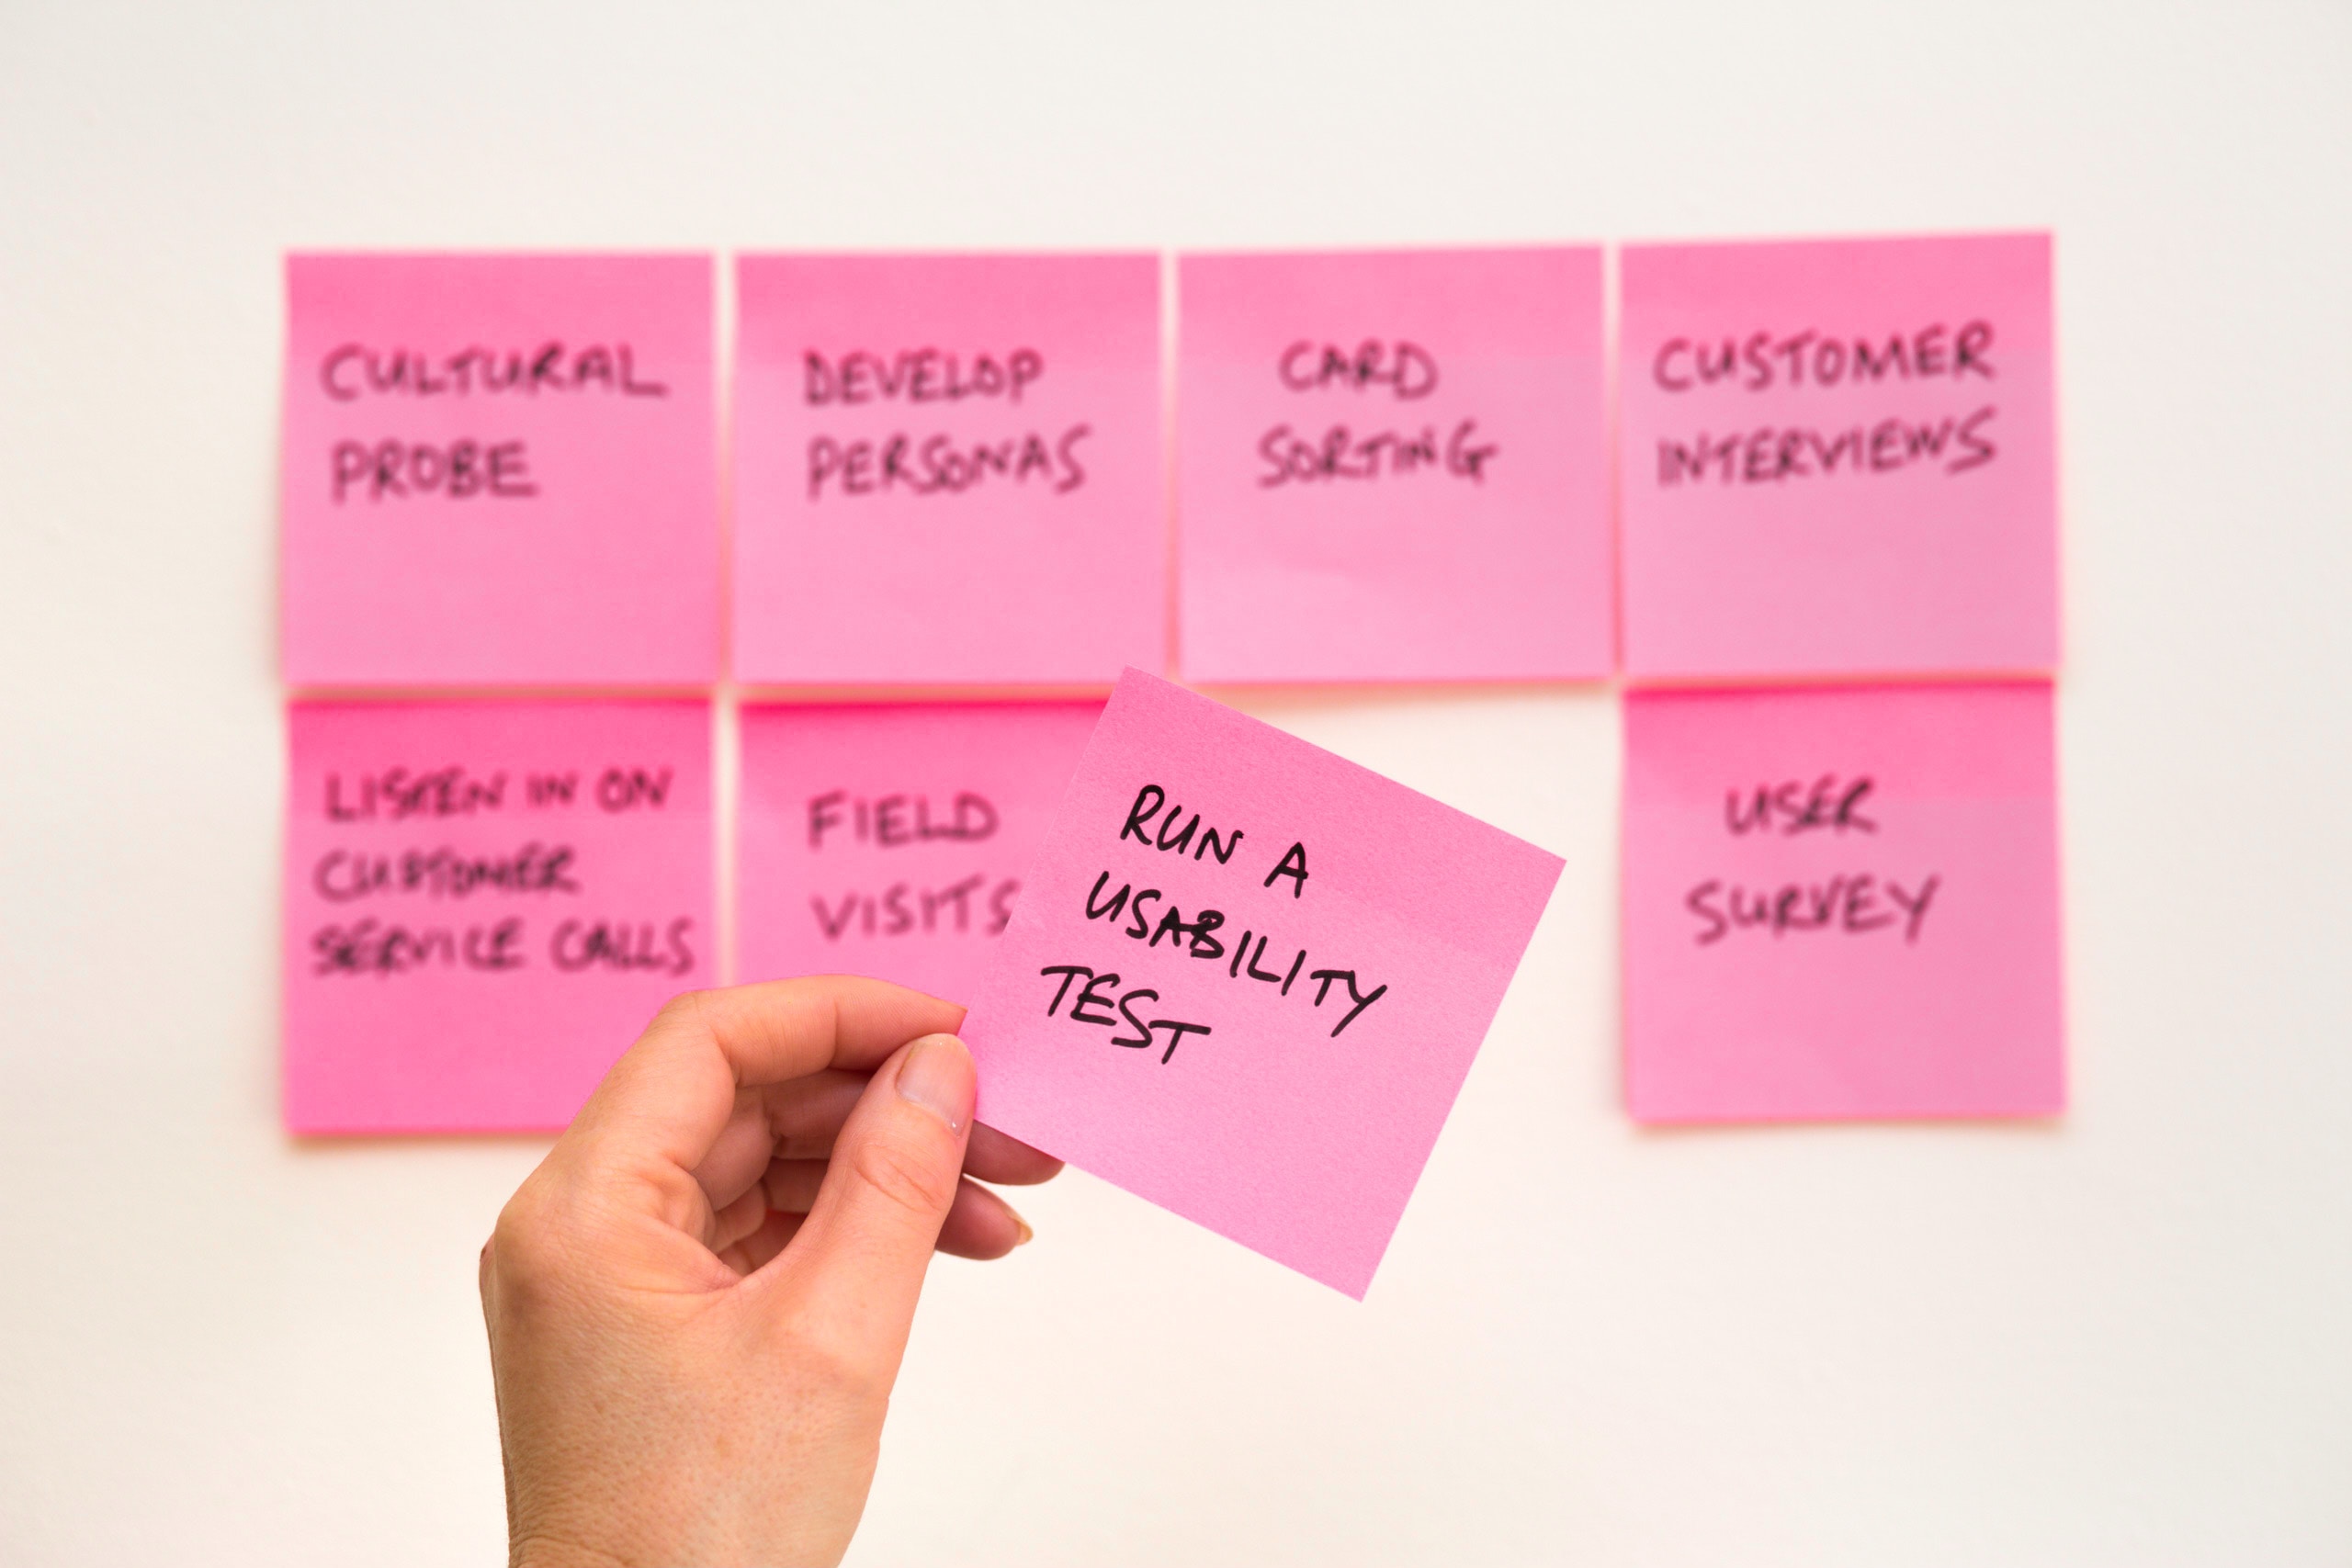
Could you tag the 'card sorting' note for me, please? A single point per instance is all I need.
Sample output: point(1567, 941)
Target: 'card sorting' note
point(1841, 903)
point(1393, 466)
point(499, 470)
point(891, 839)
point(1839, 458)
point(485, 904)
point(1246, 978)
point(948, 470)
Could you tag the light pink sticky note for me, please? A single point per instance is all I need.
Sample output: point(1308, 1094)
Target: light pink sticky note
point(499, 471)
point(891, 839)
point(1841, 903)
point(1839, 458)
point(1393, 466)
point(1246, 978)
point(948, 470)
point(485, 904)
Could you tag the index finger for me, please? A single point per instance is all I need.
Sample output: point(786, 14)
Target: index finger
point(669, 1096)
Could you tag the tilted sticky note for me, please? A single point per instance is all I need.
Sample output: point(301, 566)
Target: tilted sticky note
point(891, 839)
point(485, 903)
point(1245, 979)
point(1841, 903)
point(500, 470)
point(1839, 458)
point(948, 470)
point(1393, 466)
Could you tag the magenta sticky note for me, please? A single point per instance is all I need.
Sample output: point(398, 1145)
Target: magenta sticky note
point(1841, 902)
point(891, 839)
point(485, 903)
point(499, 469)
point(1245, 979)
point(1393, 466)
point(1839, 458)
point(948, 470)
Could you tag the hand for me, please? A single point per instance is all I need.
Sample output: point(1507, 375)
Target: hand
point(698, 1302)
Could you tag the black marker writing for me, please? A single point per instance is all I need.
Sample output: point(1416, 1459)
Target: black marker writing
point(372, 947)
point(342, 877)
point(904, 909)
point(352, 370)
point(893, 820)
point(1845, 903)
point(462, 471)
point(942, 465)
point(1343, 454)
point(1763, 359)
point(1770, 454)
point(1095, 1000)
point(918, 376)
point(614, 944)
point(1406, 369)
point(1796, 807)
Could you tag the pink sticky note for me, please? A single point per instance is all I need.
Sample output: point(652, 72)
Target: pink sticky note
point(1839, 458)
point(1392, 466)
point(891, 840)
point(485, 903)
point(1245, 979)
point(948, 470)
point(500, 470)
point(1841, 903)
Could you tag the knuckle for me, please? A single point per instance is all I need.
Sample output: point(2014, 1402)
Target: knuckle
point(686, 1006)
point(835, 1363)
point(920, 1187)
point(526, 1245)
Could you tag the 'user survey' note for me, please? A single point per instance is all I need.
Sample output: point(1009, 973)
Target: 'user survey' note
point(1245, 979)
point(1842, 903)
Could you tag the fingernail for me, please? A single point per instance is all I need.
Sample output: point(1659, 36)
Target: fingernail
point(1027, 1235)
point(936, 1074)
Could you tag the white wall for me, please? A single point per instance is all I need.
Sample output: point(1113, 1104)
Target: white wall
point(2124, 1341)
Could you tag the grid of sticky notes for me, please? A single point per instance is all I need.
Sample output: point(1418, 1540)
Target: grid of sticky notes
point(931, 507)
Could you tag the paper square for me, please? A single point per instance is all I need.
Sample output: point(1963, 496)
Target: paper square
point(500, 470)
point(1842, 903)
point(948, 470)
point(891, 839)
point(486, 902)
point(1393, 466)
point(1900, 519)
point(1298, 1123)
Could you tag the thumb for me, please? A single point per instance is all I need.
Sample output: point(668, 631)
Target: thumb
point(860, 1256)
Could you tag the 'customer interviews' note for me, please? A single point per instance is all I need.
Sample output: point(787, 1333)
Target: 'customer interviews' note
point(1839, 458)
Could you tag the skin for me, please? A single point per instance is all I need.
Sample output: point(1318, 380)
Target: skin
point(698, 1302)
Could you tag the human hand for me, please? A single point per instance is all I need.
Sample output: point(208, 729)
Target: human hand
point(698, 1303)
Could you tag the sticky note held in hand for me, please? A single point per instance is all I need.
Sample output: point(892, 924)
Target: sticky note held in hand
point(1841, 903)
point(1246, 978)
